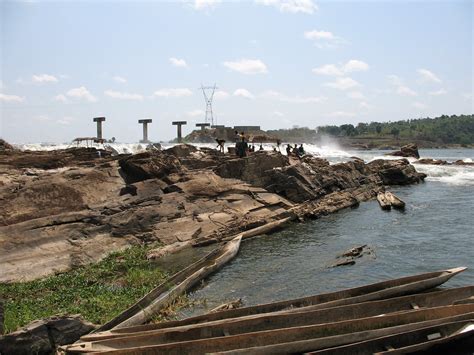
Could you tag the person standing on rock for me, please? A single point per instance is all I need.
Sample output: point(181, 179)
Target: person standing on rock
point(288, 149)
point(220, 144)
point(301, 150)
point(242, 148)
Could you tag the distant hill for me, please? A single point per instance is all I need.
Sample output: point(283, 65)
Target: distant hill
point(445, 130)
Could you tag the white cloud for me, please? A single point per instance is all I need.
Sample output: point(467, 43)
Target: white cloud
point(400, 87)
point(357, 95)
point(328, 69)
point(428, 76)
point(355, 65)
point(221, 95)
point(324, 39)
point(60, 98)
point(247, 66)
point(343, 83)
point(395, 80)
point(11, 98)
point(42, 118)
point(318, 35)
point(342, 114)
point(180, 63)
point(406, 91)
point(365, 106)
point(438, 92)
point(120, 79)
point(291, 6)
point(195, 113)
point(244, 93)
point(467, 95)
point(123, 95)
point(171, 93)
point(419, 105)
point(278, 114)
point(275, 95)
point(44, 78)
point(81, 93)
point(65, 120)
point(205, 4)
point(352, 65)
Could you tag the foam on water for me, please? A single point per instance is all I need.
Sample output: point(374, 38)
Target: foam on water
point(452, 174)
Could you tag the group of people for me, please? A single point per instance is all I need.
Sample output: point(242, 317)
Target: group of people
point(242, 147)
point(297, 151)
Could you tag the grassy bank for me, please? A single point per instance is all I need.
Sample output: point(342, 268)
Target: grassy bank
point(98, 291)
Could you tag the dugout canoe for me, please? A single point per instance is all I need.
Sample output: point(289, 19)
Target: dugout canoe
point(280, 340)
point(143, 310)
point(377, 291)
point(300, 317)
point(419, 339)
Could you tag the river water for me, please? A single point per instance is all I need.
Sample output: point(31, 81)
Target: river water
point(435, 232)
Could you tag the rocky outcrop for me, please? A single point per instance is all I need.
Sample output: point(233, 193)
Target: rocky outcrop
point(5, 146)
point(149, 165)
point(407, 151)
point(76, 214)
point(395, 172)
point(45, 335)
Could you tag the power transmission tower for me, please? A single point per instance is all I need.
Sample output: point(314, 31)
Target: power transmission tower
point(208, 98)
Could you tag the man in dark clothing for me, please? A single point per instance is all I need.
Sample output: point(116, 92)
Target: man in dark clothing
point(301, 150)
point(242, 148)
point(288, 149)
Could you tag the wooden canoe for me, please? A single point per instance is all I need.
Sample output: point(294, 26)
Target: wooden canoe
point(143, 310)
point(394, 201)
point(279, 340)
point(301, 317)
point(419, 338)
point(383, 201)
point(380, 290)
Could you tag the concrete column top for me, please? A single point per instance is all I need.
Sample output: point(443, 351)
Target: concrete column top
point(203, 124)
point(98, 119)
point(145, 120)
point(179, 122)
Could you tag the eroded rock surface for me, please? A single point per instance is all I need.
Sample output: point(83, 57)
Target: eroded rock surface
point(407, 151)
point(45, 335)
point(76, 206)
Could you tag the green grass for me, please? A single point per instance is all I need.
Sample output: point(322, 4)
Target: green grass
point(98, 291)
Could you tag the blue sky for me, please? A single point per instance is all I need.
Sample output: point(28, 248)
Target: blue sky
point(277, 63)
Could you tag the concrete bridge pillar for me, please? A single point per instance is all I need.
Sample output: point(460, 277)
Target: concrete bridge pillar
point(145, 122)
point(179, 124)
point(99, 121)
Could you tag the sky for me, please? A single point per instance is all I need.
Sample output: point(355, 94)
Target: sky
point(276, 63)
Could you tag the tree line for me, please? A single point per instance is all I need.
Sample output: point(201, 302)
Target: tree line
point(455, 129)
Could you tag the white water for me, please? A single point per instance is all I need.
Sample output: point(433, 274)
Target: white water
point(452, 175)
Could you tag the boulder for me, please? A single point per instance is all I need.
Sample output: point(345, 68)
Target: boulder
point(44, 335)
point(407, 151)
point(181, 150)
point(430, 161)
point(395, 172)
point(4, 146)
point(149, 165)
